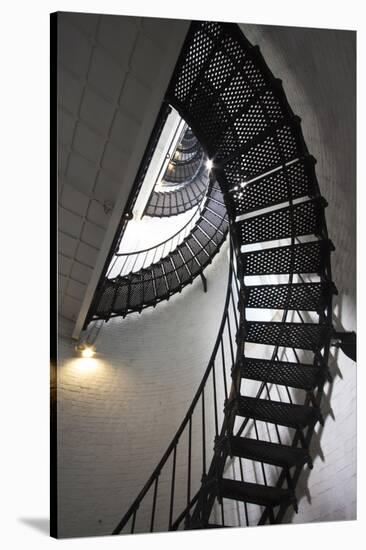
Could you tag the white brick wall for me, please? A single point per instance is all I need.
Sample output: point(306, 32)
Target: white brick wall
point(112, 75)
point(317, 68)
point(116, 419)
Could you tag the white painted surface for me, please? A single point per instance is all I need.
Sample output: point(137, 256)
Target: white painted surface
point(136, 397)
point(118, 413)
point(113, 74)
point(317, 68)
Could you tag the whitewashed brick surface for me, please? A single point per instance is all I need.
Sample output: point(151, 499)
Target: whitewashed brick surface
point(115, 421)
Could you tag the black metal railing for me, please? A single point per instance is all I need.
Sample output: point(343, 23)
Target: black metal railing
point(255, 142)
point(143, 287)
point(197, 444)
point(171, 202)
point(125, 263)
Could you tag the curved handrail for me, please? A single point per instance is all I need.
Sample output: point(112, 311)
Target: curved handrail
point(217, 464)
point(184, 107)
point(171, 237)
point(169, 202)
point(186, 157)
point(183, 172)
point(173, 444)
point(174, 240)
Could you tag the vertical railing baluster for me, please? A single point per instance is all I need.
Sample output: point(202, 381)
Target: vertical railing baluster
point(133, 522)
point(275, 425)
point(123, 266)
point(245, 504)
point(145, 257)
point(230, 340)
point(215, 399)
point(223, 364)
point(189, 466)
point(154, 505)
point(203, 433)
point(234, 309)
point(222, 513)
point(262, 465)
point(172, 489)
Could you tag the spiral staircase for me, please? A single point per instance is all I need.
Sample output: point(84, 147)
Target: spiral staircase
point(187, 171)
point(260, 396)
point(144, 278)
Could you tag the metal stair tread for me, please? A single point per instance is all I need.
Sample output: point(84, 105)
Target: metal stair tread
point(309, 257)
point(254, 493)
point(310, 336)
point(301, 219)
point(268, 452)
point(276, 412)
point(295, 375)
point(300, 296)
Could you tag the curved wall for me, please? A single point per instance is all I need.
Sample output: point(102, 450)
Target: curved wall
point(318, 70)
point(118, 413)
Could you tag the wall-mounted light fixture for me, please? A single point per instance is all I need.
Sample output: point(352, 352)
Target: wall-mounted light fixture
point(85, 350)
point(209, 164)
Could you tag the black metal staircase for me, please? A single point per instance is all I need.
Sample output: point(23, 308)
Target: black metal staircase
point(178, 265)
point(280, 270)
point(176, 201)
point(185, 180)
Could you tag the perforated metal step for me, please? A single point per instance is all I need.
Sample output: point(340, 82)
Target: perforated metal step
point(269, 453)
point(299, 296)
point(302, 219)
point(295, 375)
point(159, 281)
point(172, 203)
point(274, 147)
point(254, 493)
point(304, 258)
point(309, 336)
point(276, 412)
point(294, 181)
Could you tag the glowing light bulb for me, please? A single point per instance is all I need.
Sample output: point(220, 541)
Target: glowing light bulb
point(86, 351)
point(209, 164)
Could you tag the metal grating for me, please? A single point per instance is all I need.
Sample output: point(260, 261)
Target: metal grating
point(294, 181)
point(302, 219)
point(270, 453)
point(276, 412)
point(308, 336)
point(295, 375)
point(300, 296)
point(308, 257)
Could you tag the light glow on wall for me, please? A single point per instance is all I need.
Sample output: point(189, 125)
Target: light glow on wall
point(85, 350)
point(86, 364)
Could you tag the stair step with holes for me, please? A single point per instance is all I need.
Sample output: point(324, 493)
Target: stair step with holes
point(276, 412)
point(263, 495)
point(295, 375)
point(269, 453)
point(278, 144)
point(301, 219)
point(274, 188)
point(310, 336)
point(297, 296)
point(310, 257)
